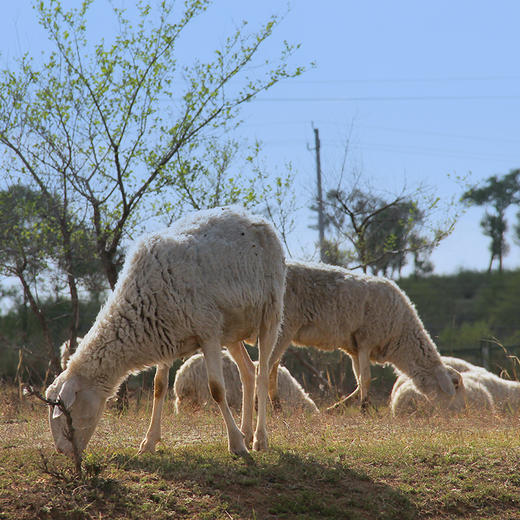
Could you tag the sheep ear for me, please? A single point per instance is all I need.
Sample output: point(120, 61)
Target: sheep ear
point(445, 381)
point(67, 395)
point(456, 378)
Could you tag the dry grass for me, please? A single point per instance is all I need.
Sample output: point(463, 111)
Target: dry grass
point(344, 466)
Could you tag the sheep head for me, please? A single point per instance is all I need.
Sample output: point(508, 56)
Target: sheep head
point(440, 382)
point(83, 403)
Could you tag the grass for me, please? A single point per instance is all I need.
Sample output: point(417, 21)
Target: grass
point(345, 466)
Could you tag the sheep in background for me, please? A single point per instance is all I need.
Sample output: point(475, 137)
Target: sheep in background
point(471, 394)
point(65, 352)
point(214, 278)
point(191, 387)
point(505, 393)
point(367, 317)
point(461, 365)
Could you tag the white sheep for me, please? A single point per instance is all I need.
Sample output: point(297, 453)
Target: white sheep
point(471, 394)
point(367, 317)
point(212, 279)
point(190, 386)
point(505, 393)
point(461, 365)
point(65, 352)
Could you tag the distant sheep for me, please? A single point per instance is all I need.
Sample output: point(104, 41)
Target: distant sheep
point(505, 393)
point(461, 365)
point(65, 352)
point(471, 395)
point(367, 317)
point(213, 279)
point(191, 386)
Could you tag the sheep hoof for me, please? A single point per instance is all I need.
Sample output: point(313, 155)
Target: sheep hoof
point(245, 456)
point(343, 403)
point(336, 407)
point(260, 444)
point(332, 409)
point(146, 447)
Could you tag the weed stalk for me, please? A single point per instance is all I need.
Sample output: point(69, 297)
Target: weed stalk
point(69, 432)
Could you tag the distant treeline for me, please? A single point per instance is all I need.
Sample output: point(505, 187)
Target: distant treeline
point(473, 315)
point(464, 309)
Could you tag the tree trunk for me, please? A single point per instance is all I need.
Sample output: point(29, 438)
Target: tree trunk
point(54, 362)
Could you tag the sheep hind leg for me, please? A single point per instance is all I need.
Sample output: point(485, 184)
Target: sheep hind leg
point(353, 396)
point(246, 369)
point(217, 388)
point(363, 377)
point(160, 387)
point(266, 339)
point(279, 349)
point(273, 387)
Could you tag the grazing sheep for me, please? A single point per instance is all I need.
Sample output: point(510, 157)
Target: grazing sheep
point(505, 393)
point(65, 352)
point(368, 317)
point(461, 365)
point(472, 394)
point(191, 387)
point(213, 279)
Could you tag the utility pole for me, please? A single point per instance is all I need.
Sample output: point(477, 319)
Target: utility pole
point(320, 197)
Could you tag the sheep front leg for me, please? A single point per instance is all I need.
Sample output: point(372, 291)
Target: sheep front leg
point(364, 378)
point(247, 375)
point(217, 388)
point(160, 387)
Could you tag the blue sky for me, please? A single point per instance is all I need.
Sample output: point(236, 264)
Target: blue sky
point(425, 92)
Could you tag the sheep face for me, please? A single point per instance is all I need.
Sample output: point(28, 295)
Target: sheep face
point(439, 383)
point(85, 405)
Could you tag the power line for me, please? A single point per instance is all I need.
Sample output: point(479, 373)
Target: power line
point(414, 131)
point(442, 134)
point(404, 80)
point(383, 98)
point(403, 150)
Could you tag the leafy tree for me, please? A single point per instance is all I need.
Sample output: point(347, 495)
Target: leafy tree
point(389, 236)
point(380, 233)
point(499, 193)
point(35, 229)
point(108, 130)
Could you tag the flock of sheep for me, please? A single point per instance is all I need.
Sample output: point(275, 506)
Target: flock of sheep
point(218, 278)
